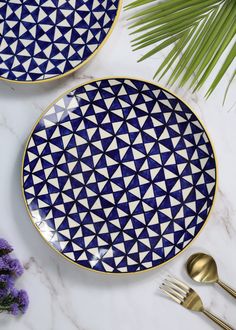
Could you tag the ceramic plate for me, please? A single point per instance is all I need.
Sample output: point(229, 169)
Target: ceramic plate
point(44, 39)
point(119, 175)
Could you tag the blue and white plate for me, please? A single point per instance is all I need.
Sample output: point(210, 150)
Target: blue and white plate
point(44, 39)
point(119, 175)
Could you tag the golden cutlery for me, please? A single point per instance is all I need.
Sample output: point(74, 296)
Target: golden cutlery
point(188, 298)
point(202, 268)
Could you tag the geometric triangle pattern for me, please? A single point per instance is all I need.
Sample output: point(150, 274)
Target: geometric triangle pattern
point(41, 39)
point(119, 175)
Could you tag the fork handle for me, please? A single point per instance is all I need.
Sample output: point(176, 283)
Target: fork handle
point(215, 319)
point(231, 291)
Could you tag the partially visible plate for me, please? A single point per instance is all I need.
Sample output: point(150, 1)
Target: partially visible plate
point(46, 39)
point(119, 175)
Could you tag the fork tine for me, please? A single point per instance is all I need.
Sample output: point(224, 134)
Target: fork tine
point(175, 286)
point(173, 291)
point(179, 283)
point(172, 296)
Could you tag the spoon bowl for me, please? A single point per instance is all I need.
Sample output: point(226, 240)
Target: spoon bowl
point(202, 268)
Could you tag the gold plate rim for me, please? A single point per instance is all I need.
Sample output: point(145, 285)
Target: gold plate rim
point(22, 176)
point(60, 76)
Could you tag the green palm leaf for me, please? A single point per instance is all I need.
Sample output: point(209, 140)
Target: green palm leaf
point(201, 32)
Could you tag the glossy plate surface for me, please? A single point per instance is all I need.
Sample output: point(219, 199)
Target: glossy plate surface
point(119, 175)
point(44, 39)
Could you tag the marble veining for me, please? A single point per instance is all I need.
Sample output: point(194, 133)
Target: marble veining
point(65, 297)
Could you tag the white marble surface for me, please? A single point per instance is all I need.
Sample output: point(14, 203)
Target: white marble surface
point(64, 296)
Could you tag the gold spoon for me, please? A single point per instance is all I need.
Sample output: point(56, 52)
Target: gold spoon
point(202, 268)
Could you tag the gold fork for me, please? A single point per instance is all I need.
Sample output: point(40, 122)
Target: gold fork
point(188, 298)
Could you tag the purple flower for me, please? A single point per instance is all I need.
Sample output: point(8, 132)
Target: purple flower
point(15, 267)
point(4, 263)
point(14, 309)
point(6, 281)
point(10, 266)
point(14, 293)
point(22, 300)
point(12, 300)
point(5, 247)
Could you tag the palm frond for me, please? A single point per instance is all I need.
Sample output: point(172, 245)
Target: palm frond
point(200, 32)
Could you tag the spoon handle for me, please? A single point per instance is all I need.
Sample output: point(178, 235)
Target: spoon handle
point(215, 319)
point(231, 291)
